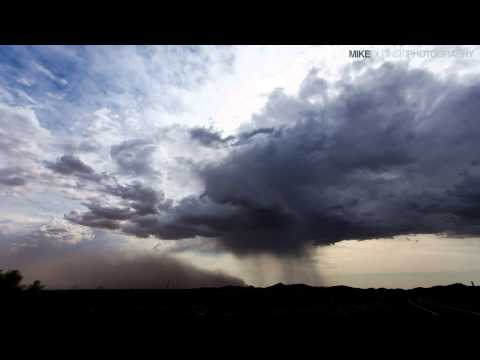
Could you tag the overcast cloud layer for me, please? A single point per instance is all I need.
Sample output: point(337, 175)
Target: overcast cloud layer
point(381, 149)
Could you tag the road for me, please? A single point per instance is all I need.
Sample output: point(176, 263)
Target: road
point(442, 311)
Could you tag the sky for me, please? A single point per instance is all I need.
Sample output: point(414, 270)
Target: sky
point(193, 166)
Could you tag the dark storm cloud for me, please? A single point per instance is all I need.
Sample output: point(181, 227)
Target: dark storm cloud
point(137, 200)
point(141, 198)
point(112, 213)
point(95, 218)
point(134, 157)
point(244, 137)
point(208, 137)
point(189, 218)
point(385, 152)
point(71, 165)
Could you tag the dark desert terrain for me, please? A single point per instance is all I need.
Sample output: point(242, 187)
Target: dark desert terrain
point(278, 318)
point(278, 303)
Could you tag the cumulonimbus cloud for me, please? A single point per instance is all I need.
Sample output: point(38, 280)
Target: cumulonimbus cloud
point(387, 152)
